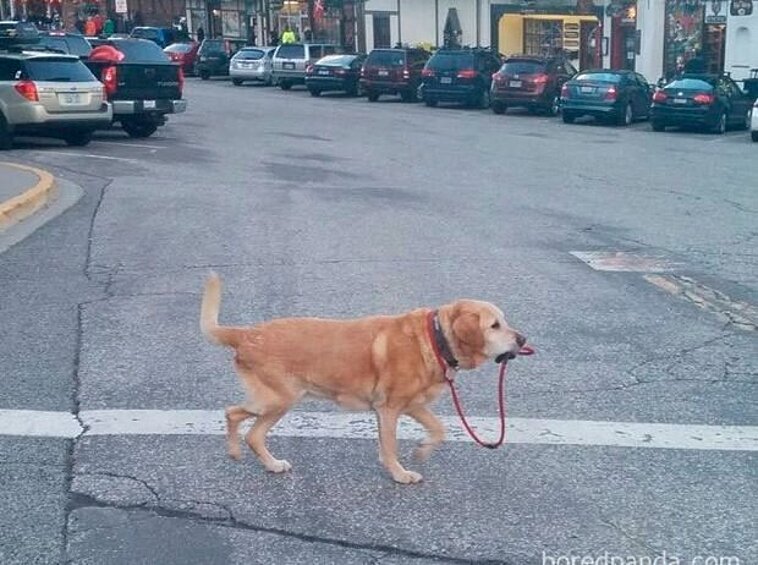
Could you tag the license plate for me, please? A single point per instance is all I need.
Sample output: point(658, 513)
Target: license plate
point(71, 98)
point(446, 80)
point(148, 104)
point(383, 73)
point(323, 72)
point(680, 100)
point(587, 89)
point(515, 84)
point(288, 65)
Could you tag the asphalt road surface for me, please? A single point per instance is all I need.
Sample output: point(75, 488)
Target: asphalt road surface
point(628, 258)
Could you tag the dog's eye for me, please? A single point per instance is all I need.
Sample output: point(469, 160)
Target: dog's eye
point(495, 326)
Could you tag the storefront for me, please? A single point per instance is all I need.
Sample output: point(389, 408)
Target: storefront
point(546, 28)
point(624, 37)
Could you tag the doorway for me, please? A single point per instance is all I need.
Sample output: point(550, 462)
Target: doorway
point(382, 37)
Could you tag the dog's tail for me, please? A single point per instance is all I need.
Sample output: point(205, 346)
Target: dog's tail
point(214, 333)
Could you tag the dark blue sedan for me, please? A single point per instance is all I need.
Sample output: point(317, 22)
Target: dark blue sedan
point(620, 97)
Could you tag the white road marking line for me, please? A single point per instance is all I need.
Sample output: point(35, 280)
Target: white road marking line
point(347, 425)
point(126, 144)
point(740, 314)
point(90, 155)
point(620, 261)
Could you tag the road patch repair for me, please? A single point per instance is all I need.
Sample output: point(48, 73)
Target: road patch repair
point(351, 425)
point(23, 191)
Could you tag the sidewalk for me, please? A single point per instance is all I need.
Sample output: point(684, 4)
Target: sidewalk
point(23, 191)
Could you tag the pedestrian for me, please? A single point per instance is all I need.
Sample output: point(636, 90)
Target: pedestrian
point(288, 36)
point(109, 27)
point(79, 25)
point(89, 27)
point(200, 34)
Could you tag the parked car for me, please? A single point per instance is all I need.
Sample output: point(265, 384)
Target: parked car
point(251, 63)
point(163, 36)
point(338, 73)
point(213, 58)
point(70, 43)
point(15, 33)
point(393, 71)
point(754, 122)
point(531, 82)
point(459, 75)
point(617, 96)
point(713, 102)
point(141, 83)
point(51, 95)
point(184, 53)
point(291, 59)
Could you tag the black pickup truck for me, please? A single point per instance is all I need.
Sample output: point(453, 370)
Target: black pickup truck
point(141, 83)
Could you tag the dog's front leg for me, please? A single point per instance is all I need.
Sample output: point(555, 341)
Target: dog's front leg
point(388, 446)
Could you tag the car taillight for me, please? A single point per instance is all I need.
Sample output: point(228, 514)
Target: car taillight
point(28, 90)
point(540, 79)
point(340, 72)
point(427, 73)
point(565, 91)
point(406, 74)
point(611, 94)
point(309, 70)
point(659, 96)
point(467, 73)
point(181, 81)
point(703, 98)
point(109, 77)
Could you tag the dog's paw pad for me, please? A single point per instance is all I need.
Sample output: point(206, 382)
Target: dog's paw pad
point(279, 466)
point(408, 477)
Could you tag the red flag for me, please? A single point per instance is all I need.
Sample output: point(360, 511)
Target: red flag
point(318, 9)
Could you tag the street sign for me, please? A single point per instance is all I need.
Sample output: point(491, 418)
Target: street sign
point(121, 7)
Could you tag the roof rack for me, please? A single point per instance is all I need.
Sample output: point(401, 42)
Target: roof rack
point(21, 48)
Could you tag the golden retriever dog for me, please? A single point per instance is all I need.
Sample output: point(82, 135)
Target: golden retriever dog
point(392, 365)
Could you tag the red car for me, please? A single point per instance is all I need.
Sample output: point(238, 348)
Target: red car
point(185, 54)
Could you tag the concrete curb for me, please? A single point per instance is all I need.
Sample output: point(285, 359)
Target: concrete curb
point(28, 202)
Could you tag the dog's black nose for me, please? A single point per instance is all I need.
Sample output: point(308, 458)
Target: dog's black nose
point(520, 340)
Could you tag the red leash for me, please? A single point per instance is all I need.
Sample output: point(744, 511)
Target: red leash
point(526, 350)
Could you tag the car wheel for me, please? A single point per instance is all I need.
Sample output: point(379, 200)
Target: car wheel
point(568, 118)
point(753, 136)
point(139, 129)
point(657, 126)
point(372, 96)
point(315, 93)
point(78, 138)
point(6, 137)
point(205, 75)
point(484, 99)
point(269, 81)
point(431, 103)
point(720, 127)
point(237, 81)
point(284, 85)
point(555, 106)
point(626, 117)
point(498, 107)
point(409, 95)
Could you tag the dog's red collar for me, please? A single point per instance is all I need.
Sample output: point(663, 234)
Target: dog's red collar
point(442, 351)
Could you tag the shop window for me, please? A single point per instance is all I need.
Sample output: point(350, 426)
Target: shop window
point(543, 37)
point(382, 36)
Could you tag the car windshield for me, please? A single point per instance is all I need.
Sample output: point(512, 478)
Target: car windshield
point(336, 60)
point(250, 54)
point(179, 48)
point(690, 84)
point(141, 51)
point(523, 68)
point(386, 58)
point(57, 43)
point(145, 33)
point(214, 46)
point(58, 70)
point(451, 61)
point(598, 77)
point(291, 52)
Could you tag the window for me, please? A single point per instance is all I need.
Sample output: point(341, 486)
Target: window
point(542, 37)
point(451, 61)
point(523, 68)
point(291, 51)
point(9, 69)
point(386, 58)
point(58, 70)
point(641, 80)
point(598, 77)
point(382, 36)
point(315, 52)
point(142, 51)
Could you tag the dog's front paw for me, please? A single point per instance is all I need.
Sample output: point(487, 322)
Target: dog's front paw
point(278, 466)
point(407, 477)
point(234, 453)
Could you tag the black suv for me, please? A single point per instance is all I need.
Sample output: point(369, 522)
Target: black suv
point(459, 75)
point(71, 43)
point(393, 71)
point(530, 81)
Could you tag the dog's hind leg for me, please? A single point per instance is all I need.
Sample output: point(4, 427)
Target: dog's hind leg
point(388, 446)
point(235, 415)
point(433, 427)
point(256, 438)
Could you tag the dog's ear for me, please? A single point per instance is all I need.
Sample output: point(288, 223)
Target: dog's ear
point(468, 332)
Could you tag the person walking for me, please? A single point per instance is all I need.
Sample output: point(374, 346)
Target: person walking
point(288, 36)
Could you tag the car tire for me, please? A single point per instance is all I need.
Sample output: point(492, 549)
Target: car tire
point(484, 99)
point(498, 107)
point(6, 137)
point(753, 136)
point(410, 95)
point(555, 106)
point(719, 127)
point(372, 96)
point(657, 126)
point(78, 138)
point(354, 91)
point(139, 129)
point(237, 81)
point(315, 93)
point(205, 75)
point(430, 103)
point(626, 117)
point(568, 118)
point(284, 85)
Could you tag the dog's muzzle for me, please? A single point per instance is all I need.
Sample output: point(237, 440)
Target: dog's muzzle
point(505, 357)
